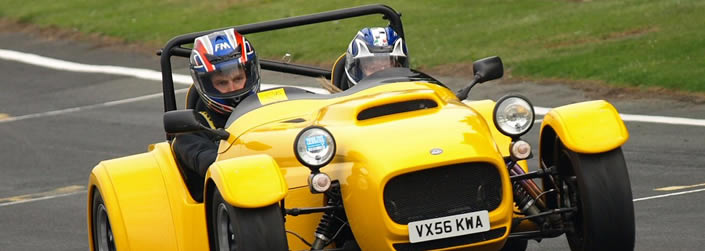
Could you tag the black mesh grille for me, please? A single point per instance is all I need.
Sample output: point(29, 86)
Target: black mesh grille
point(451, 242)
point(443, 191)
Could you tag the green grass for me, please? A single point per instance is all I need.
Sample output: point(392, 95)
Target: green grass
point(647, 43)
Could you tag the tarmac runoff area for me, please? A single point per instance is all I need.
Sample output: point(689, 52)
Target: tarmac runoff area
point(95, 111)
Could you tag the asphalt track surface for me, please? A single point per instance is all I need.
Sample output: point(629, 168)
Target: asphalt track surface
point(45, 158)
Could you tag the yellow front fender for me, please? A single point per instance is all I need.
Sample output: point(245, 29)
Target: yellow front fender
point(248, 182)
point(587, 127)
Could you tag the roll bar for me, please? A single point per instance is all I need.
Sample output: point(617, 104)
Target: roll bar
point(174, 46)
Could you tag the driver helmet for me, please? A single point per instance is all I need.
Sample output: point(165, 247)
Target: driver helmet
point(220, 57)
point(372, 50)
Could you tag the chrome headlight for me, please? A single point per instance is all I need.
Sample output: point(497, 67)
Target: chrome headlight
point(314, 147)
point(513, 115)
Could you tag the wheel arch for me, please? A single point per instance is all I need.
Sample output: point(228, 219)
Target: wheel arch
point(587, 127)
point(247, 182)
point(100, 182)
point(208, 201)
point(547, 142)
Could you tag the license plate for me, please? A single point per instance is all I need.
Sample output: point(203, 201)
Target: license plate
point(449, 226)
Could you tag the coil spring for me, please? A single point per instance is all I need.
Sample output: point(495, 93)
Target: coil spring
point(521, 197)
point(327, 226)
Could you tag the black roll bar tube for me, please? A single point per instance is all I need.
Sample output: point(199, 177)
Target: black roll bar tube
point(272, 65)
point(173, 47)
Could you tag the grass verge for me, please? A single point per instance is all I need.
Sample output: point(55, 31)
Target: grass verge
point(641, 43)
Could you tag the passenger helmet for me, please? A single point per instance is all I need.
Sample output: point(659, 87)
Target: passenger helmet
point(374, 49)
point(223, 52)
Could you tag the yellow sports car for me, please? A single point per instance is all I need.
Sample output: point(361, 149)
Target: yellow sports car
point(397, 162)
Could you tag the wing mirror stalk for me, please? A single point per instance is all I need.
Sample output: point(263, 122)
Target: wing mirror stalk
point(484, 70)
point(185, 121)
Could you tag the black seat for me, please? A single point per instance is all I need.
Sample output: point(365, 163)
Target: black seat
point(191, 97)
point(338, 76)
point(193, 181)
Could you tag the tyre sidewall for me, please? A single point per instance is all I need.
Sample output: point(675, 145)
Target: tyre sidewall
point(254, 228)
point(97, 201)
point(605, 208)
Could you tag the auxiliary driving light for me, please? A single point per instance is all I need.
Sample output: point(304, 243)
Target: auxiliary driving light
point(513, 115)
point(520, 149)
point(314, 147)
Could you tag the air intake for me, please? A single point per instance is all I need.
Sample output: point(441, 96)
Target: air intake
point(393, 108)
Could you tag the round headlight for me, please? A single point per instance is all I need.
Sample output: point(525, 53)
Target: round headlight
point(513, 115)
point(314, 147)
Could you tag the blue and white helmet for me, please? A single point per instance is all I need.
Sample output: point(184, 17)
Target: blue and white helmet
point(372, 50)
point(223, 52)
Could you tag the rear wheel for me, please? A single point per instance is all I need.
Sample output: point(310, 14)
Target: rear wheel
point(102, 231)
point(245, 229)
point(598, 185)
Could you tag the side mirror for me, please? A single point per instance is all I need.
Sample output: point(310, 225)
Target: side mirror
point(185, 121)
point(484, 70)
point(181, 121)
point(487, 69)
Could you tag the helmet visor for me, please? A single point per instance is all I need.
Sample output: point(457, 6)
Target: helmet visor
point(372, 64)
point(228, 81)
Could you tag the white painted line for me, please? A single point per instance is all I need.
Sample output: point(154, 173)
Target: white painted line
point(640, 118)
point(40, 198)
point(6, 119)
point(58, 64)
point(541, 110)
point(83, 108)
point(663, 120)
point(669, 195)
point(672, 188)
point(56, 193)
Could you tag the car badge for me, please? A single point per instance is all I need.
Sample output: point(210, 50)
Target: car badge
point(436, 151)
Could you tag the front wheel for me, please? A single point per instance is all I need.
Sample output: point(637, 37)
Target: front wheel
point(245, 229)
point(598, 185)
point(515, 245)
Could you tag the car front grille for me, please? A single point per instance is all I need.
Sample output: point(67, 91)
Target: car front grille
point(443, 191)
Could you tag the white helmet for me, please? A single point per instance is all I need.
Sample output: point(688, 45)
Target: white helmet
point(372, 50)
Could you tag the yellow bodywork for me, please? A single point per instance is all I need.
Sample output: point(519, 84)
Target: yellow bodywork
point(148, 205)
point(150, 208)
point(587, 127)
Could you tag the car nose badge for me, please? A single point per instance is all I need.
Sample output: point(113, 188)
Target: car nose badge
point(436, 151)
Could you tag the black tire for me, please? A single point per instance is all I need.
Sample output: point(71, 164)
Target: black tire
point(598, 184)
point(102, 232)
point(246, 229)
point(515, 245)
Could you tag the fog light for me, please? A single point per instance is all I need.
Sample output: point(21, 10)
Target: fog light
point(520, 149)
point(319, 182)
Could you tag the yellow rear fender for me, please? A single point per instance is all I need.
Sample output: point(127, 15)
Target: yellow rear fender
point(136, 200)
point(587, 127)
point(99, 182)
point(247, 182)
